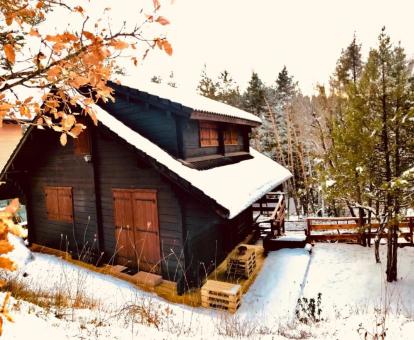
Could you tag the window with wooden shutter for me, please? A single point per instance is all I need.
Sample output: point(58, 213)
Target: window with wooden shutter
point(209, 135)
point(82, 143)
point(59, 203)
point(231, 136)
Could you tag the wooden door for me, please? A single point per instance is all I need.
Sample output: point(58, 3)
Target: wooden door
point(146, 230)
point(124, 233)
point(137, 229)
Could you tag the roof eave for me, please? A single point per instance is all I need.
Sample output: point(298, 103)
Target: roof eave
point(200, 115)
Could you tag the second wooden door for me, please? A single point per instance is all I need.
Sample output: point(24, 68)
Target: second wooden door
point(137, 229)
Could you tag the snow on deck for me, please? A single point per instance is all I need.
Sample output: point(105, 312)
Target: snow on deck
point(190, 99)
point(234, 187)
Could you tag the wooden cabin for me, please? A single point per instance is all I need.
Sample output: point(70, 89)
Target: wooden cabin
point(163, 184)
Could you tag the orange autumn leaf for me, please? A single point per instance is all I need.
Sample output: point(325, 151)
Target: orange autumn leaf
point(79, 9)
point(63, 139)
point(24, 111)
point(68, 122)
point(6, 263)
point(5, 246)
point(159, 43)
point(156, 4)
point(77, 129)
point(79, 81)
point(52, 38)
point(28, 100)
point(162, 21)
point(34, 32)
point(10, 54)
point(9, 19)
point(58, 47)
point(69, 37)
point(89, 35)
point(54, 72)
point(5, 107)
point(119, 44)
point(167, 47)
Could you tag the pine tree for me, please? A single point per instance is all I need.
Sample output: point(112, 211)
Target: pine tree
point(254, 96)
point(372, 147)
point(227, 90)
point(207, 87)
point(349, 66)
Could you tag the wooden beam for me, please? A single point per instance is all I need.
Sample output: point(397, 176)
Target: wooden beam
point(222, 118)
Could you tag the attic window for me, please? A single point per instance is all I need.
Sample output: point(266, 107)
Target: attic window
point(209, 135)
point(231, 136)
point(59, 204)
point(82, 143)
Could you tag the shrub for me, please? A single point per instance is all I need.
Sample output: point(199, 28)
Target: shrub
point(309, 310)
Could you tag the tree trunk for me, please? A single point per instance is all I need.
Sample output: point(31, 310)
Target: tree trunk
point(377, 241)
point(391, 251)
point(389, 254)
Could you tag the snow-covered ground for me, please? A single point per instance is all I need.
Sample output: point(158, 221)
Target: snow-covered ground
point(354, 296)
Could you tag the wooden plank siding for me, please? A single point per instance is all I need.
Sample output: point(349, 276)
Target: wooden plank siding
point(209, 238)
point(191, 141)
point(121, 168)
point(157, 125)
point(43, 163)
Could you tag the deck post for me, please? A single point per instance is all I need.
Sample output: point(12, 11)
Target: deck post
point(309, 226)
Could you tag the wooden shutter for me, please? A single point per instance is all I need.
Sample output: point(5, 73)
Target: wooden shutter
point(124, 222)
point(214, 136)
point(65, 204)
point(52, 206)
point(59, 203)
point(147, 238)
point(231, 136)
point(82, 143)
point(122, 207)
point(227, 137)
point(209, 135)
point(234, 139)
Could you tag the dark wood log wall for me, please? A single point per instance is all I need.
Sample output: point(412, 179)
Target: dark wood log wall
point(240, 144)
point(209, 238)
point(44, 162)
point(155, 124)
point(121, 168)
point(191, 141)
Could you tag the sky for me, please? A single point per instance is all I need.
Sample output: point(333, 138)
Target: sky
point(242, 36)
point(264, 35)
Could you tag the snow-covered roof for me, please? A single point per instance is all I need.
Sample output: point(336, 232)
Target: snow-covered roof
point(234, 187)
point(190, 99)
